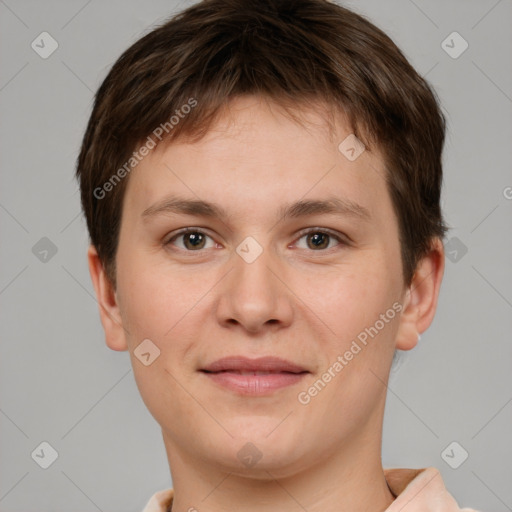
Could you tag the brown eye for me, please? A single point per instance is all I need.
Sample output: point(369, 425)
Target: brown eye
point(191, 240)
point(194, 240)
point(318, 240)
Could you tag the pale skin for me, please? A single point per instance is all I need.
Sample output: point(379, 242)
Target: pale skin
point(295, 301)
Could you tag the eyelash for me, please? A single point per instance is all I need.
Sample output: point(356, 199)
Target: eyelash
point(341, 241)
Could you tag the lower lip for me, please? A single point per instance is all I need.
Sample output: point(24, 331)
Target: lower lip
point(255, 384)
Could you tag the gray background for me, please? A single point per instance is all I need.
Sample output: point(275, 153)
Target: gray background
point(60, 383)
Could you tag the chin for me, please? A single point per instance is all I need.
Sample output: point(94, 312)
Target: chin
point(260, 461)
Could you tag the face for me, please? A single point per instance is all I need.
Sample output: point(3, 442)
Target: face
point(316, 284)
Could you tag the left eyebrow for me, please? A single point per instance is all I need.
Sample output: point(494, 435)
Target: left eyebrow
point(302, 208)
point(331, 205)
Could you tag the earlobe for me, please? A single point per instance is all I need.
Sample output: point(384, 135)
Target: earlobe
point(115, 333)
point(420, 302)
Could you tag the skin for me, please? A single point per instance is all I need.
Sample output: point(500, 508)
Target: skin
point(295, 301)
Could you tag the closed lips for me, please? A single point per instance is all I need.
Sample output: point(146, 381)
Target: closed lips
point(261, 366)
point(250, 372)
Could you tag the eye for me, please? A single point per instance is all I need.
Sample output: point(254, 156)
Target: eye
point(318, 239)
point(193, 239)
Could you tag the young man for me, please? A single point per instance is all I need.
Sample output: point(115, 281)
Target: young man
point(261, 182)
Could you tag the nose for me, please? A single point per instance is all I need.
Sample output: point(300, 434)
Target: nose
point(254, 295)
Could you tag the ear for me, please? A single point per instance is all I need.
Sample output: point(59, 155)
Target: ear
point(108, 305)
point(420, 301)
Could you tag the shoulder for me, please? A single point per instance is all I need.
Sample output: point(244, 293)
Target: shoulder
point(160, 501)
point(420, 490)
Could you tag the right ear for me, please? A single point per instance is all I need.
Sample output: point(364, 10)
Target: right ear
point(115, 333)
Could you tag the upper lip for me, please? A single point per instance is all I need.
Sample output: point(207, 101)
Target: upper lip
point(262, 364)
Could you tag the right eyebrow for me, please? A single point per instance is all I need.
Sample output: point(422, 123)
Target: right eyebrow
point(185, 206)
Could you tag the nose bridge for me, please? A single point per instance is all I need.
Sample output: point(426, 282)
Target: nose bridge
point(253, 295)
point(252, 276)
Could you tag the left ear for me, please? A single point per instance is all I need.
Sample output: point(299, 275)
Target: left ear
point(420, 301)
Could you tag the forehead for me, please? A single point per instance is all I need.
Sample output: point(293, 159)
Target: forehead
point(242, 115)
point(256, 154)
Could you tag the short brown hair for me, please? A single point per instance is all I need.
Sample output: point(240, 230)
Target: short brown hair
point(292, 52)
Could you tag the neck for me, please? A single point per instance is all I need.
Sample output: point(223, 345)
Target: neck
point(350, 479)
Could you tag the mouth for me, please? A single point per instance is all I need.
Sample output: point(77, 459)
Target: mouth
point(261, 376)
point(252, 372)
point(263, 365)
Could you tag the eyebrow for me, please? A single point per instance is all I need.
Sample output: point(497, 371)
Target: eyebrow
point(302, 208)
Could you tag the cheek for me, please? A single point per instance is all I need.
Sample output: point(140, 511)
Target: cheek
point(358, 343)
point(351, 304)
point(348, 299)
point(159, 305)
point(154, 299)
point(165, 393)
